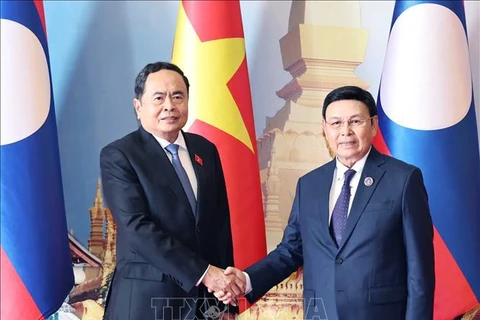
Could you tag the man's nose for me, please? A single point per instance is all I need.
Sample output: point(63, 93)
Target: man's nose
point(168, 104)
point(345, 128)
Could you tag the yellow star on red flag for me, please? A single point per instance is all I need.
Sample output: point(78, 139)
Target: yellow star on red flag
point(209, 67)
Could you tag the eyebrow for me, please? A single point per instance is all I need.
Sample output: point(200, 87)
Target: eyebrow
point(164, 93)
point(178, 92)
point(351, 117)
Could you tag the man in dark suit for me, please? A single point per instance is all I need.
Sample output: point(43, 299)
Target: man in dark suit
point(360, 226)
point(166, 191)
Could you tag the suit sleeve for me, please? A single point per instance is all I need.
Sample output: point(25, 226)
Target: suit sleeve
point(223, 235)
point(128, 204)
point(281, 262)
point(418, 237)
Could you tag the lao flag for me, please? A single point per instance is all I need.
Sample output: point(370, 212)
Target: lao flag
point(427, 118)
point(36, 269)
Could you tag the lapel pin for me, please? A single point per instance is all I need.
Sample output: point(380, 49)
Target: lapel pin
point(198, 160)
point(368, 181)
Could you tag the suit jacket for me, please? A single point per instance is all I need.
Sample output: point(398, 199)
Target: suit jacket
point(162, 249)
point(384, 266)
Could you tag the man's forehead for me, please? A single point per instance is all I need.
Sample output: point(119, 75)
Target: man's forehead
point(165, 83)
point(355, 106)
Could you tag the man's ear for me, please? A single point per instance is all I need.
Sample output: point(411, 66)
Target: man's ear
point(137, 105)
point(375, 125)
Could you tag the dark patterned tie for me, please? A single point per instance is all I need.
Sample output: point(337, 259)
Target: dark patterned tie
point(339, 214)
point(182, 175)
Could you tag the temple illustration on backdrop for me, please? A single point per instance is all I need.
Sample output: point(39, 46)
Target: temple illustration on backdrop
point(93, 266)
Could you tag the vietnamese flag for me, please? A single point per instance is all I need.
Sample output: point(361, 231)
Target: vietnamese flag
point(210, 48)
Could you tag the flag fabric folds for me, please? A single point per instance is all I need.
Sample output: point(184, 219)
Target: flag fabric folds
point(36, 266)
point(427, 118)
point(209, 47)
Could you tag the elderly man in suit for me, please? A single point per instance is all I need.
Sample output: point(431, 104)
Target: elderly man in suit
point(167, 194)
point(360, 226)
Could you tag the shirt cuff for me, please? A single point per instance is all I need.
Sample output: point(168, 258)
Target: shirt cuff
point(203, 276)
point(249, 283)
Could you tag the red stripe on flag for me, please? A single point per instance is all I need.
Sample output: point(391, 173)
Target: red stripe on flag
point(41, 14)
point(452, 291)
point(17, 303)
point(214, 19)
point(242, 179)
point(239, 87)
point(379, 143)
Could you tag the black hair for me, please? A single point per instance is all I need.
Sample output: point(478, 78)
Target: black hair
point(350, 93)
point(152, 68)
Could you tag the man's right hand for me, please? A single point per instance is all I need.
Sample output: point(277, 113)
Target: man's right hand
point(226, 281)
point(228, 297)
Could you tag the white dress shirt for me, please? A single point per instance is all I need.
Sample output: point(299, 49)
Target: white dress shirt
point(184, 158)
point(339, 178)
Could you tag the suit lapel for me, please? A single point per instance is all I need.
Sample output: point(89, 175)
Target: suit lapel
point(364, 193)
point(167, 174)
point(324, 199)
point(197, 163)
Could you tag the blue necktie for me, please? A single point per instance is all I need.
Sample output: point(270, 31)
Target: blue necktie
point(339, 214)
point(182, 175)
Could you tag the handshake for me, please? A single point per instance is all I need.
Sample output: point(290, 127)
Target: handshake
point(227, 285)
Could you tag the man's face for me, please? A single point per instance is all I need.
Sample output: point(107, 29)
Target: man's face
point(163, 108)
point(349, 142)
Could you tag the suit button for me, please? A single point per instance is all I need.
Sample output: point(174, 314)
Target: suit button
point(339, 261)
point(198, 230)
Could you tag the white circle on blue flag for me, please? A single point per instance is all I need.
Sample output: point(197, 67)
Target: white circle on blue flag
point(426, 81)
point(25, 83)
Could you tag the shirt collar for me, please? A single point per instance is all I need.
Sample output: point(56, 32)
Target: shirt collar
point(180, 141)
point(358, 166)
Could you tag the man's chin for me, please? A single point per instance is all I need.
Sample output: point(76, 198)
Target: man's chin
point(348, 157)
